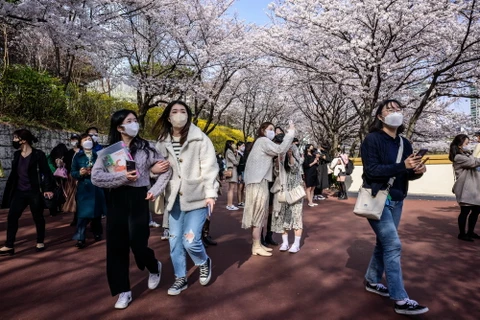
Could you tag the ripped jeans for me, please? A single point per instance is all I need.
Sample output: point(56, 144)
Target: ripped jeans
point(186, 236)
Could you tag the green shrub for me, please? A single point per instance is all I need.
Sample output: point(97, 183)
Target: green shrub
point(29, 95)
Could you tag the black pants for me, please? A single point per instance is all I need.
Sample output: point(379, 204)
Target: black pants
point(472, 218)
point(20, 201)
point(127, 227)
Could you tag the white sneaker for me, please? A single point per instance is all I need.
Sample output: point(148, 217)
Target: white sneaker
point(284, 247)
point(153, 224)
point(294, 249)
point(154, 278)
point(321, 198)
point(166, 234)
point(232, 207)
point(124, 299)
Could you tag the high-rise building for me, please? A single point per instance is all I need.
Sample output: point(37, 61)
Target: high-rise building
point(474, 107)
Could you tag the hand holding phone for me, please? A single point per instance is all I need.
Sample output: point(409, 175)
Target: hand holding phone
point(131, 165)
point(421, 153)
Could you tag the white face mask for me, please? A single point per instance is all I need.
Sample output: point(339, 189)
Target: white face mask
point(94, 138)
point(179, 120)
point(394, 119)
point(466, 148)
point(270, 134)
point(87, 144)
point(131, 129)
point(74, 143)
point(242, 148)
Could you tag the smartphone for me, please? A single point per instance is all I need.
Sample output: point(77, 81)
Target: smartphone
point(423, 162)
point(421, 152)
point(131, 165)
point(209, 210)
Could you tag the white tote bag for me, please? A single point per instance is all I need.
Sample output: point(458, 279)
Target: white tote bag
point(371, 207)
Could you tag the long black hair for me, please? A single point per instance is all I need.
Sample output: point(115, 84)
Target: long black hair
point(228, 146)
point(25, 134)
point(163, 127)
point(306, 149)
point(456, 146)
point(115, 136)
point(58, 152)
point(377, 124)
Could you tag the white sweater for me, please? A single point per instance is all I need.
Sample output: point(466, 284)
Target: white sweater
point(194, 174)
point(259, 162)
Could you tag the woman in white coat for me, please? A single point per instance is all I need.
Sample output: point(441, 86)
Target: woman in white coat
point(191, 192)
point(258, 172)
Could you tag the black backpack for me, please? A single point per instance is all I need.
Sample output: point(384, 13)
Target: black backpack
point(349, 167)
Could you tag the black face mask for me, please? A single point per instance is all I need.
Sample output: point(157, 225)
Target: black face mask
point(16, 144)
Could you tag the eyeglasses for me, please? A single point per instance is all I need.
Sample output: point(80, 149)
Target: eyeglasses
point(93, 134)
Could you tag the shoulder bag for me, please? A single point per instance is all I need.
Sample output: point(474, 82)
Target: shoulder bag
point(369, 206)
point(288, 196)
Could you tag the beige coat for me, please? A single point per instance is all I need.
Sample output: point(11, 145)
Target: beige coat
point(259, 162)
point(232, 161)
point(467, 185)
point(194, 173)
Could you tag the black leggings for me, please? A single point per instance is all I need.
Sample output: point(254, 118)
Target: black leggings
point(472, 219)
point(20, 201)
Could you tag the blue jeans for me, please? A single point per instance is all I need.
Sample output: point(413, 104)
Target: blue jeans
point(386, 255)
point(186, 236)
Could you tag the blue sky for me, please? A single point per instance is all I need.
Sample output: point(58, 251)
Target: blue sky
point(252, 11)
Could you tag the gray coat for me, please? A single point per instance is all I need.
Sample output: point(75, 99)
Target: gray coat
point(467, 185)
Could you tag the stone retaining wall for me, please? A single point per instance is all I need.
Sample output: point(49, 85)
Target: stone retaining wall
point(47, 140)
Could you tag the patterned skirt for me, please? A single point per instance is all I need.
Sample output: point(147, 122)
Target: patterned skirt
point(256, 204)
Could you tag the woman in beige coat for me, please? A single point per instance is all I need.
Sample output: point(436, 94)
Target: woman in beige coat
point(258, 172)
point(466, 186)
point(191, 192)
point(232, 159)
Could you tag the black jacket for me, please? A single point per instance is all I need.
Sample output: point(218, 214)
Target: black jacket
point(379, 153)
point(38, 166)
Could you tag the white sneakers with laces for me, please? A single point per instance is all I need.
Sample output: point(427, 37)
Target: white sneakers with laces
point(124, 299)
point(232, 207)
point(284, 247)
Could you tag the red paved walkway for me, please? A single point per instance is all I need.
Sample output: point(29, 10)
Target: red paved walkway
point(322, 281)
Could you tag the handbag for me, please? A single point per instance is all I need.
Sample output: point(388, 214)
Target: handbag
point(228, 173)
point(288, 196)
point(61, 172)
point(369, 206)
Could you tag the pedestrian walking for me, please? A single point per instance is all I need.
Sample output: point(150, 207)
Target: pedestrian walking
point(379, 152)
point(467, 183)
point(192, 190)
point(127, 207)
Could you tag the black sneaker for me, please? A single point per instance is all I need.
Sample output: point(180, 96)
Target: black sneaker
point(205, 272)
point(411, 307)
point(178, 286)
point(473, 235)
point(465, 237)
point(378, 289)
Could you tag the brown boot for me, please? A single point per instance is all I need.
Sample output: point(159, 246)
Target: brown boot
point(257, 249)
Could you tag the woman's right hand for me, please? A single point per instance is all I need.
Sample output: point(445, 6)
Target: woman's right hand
point(83, 171)
point(291, 125)
point(160, 167)
point(131, 175)
point(412, 161)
